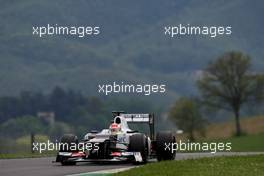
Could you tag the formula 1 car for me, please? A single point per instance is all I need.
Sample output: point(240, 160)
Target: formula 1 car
point(118, 143)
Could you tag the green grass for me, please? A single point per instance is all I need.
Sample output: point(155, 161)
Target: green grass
point(247, 143)
point(253, 143)
point(218, 166)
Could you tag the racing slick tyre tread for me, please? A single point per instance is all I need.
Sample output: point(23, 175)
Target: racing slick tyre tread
point(69, 139)
point(161, 139)
point(138, 143)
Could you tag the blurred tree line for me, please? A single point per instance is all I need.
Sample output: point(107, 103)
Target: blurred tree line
point(74, 112)
point(64, 103)
point(18, 115)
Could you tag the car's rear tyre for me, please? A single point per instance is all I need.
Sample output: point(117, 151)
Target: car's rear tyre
point(139, 143)
point(162, 140)
point(70, 140)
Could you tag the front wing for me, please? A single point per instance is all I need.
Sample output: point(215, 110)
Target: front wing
point(115, 157)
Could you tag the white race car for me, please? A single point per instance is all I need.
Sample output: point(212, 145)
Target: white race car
point(118, 143)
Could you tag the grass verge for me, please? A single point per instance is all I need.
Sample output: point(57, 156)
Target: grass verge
point(217, 166)
point(252, 143)
point(247, 143)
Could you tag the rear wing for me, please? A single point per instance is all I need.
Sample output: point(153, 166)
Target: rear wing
point(139, 118)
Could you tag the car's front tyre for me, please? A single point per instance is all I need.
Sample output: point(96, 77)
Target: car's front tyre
point(139, 143)
point(67, 140)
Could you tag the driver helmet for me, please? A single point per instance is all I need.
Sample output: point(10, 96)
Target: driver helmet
point(115, 128)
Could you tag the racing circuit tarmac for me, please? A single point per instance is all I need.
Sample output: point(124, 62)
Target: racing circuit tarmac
point(45, 167)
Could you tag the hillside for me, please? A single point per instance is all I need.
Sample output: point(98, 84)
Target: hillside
point(132, 46)
point(250, 126)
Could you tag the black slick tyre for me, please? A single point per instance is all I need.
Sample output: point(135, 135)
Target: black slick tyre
point(66, 145)
point(138, 143)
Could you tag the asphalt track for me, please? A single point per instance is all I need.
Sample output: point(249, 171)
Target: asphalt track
point(45, 167)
